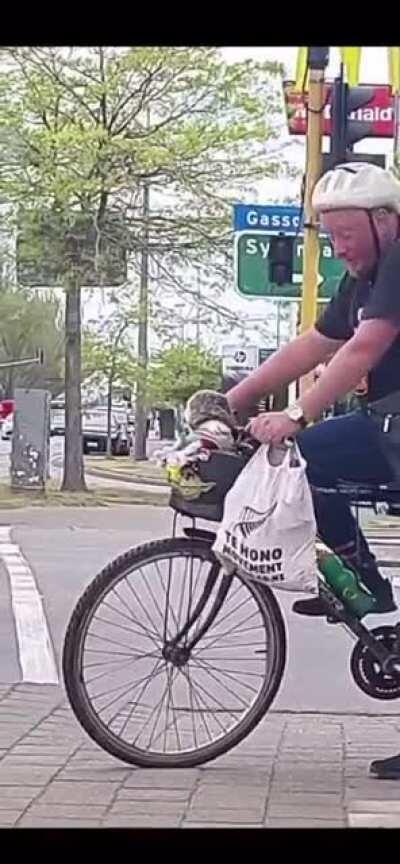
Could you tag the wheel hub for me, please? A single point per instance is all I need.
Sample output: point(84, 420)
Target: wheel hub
point(178, 655)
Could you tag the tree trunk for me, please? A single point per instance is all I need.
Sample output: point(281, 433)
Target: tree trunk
point(10, 384)
point(74, 474)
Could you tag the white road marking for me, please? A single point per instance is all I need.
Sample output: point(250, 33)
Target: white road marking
point(36, 655)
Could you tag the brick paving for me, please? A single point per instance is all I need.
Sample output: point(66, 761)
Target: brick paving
point(294, 770)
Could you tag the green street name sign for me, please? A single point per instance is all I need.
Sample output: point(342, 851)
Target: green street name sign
point(252, 268)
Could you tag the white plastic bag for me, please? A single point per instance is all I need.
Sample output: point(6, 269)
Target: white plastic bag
point(268, 529)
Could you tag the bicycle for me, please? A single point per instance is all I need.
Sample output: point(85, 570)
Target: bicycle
point(155, 696)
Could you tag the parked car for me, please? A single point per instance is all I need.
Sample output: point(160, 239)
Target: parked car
point(94, 427)
point(7, 406)
point(57, 418)
point(7, 427)
point(94, 430)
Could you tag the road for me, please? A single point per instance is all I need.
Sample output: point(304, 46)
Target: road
point(305, 764)
point(65, 548)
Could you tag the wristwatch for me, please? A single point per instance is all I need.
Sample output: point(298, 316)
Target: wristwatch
point(296, 413)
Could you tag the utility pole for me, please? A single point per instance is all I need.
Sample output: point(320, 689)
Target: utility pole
point(198, 300)
point(317, 60)
point(141, 407)
point(396, 136)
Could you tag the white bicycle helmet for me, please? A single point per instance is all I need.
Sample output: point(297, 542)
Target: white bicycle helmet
point(358, 185)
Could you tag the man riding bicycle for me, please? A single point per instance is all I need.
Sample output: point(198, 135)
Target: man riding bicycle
point(359, 333)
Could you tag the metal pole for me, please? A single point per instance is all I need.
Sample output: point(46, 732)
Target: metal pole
point(198, 299)
point(278, 324)
point(292, 391)
point(396, 135)
point(140, 407)
point(318, 61)
point(27, 362)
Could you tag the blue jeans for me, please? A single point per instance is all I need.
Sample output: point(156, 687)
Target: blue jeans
point(343, 448)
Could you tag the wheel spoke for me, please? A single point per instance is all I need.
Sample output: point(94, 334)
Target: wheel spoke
point(157, 708)
point(119, 686)
point(223, 708)
point(217, 636)
point(211, 674)
point(134, 618)
point(122, 627)
point(111, 642)
point(140, 602)
point(141, 698)
point(113, 663)
point(148, 680)
point(203, 664)
point(161, 576)
point(149, 589)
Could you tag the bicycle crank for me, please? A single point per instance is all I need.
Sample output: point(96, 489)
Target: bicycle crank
point(380, 681)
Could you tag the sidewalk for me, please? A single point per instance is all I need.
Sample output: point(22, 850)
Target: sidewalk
point(295, 770)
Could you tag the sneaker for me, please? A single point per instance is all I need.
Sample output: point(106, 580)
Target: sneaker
point(317, 606)
point(386, 769)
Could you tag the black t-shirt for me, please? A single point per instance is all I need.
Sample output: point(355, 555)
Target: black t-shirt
point(359, 299)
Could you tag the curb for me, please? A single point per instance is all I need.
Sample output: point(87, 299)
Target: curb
point(134, 481)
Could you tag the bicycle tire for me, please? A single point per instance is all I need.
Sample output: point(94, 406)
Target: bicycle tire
point(73, 647)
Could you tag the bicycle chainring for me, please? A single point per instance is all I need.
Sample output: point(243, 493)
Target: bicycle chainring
point(367, 671)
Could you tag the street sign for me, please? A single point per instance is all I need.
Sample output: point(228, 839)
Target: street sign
point(252, 278)
point(379, 112)
point(235, 359)
point(272, 217)
point(264, 354)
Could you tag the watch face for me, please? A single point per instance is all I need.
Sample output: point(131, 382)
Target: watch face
point(295, 413)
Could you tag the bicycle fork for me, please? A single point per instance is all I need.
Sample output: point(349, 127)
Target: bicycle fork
point(172, 648)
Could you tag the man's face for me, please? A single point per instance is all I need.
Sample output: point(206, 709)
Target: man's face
point(352, 240)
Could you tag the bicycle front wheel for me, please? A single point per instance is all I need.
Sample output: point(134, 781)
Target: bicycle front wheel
point(177, 709)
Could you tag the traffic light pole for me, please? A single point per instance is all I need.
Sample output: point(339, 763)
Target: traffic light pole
point(396, 136)
point(318, 62)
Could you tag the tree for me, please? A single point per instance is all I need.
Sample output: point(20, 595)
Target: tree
point(88, 129)
point(176, 373)
point(29, 323)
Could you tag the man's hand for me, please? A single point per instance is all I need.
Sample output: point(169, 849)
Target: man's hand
point(273, 428)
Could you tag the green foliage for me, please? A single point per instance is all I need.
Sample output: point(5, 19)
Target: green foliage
point(175, 374)
point(82, 127)
point(29, 322)
point(105, 359)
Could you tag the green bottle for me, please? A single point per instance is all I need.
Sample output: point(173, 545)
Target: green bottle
point(344, 583)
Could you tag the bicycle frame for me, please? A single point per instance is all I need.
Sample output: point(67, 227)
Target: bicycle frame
point(339, 613)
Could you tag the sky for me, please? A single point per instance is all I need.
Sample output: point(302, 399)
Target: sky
point(373, 70)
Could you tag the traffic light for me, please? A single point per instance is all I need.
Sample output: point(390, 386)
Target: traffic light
point(280, 258)
point(347, 130)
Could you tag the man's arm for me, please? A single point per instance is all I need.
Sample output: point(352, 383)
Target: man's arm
point(287, 364)
point(354, 360)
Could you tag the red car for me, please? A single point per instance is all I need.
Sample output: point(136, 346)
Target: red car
point(7, 406)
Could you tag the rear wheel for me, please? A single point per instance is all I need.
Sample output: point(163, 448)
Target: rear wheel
point(150, 702)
